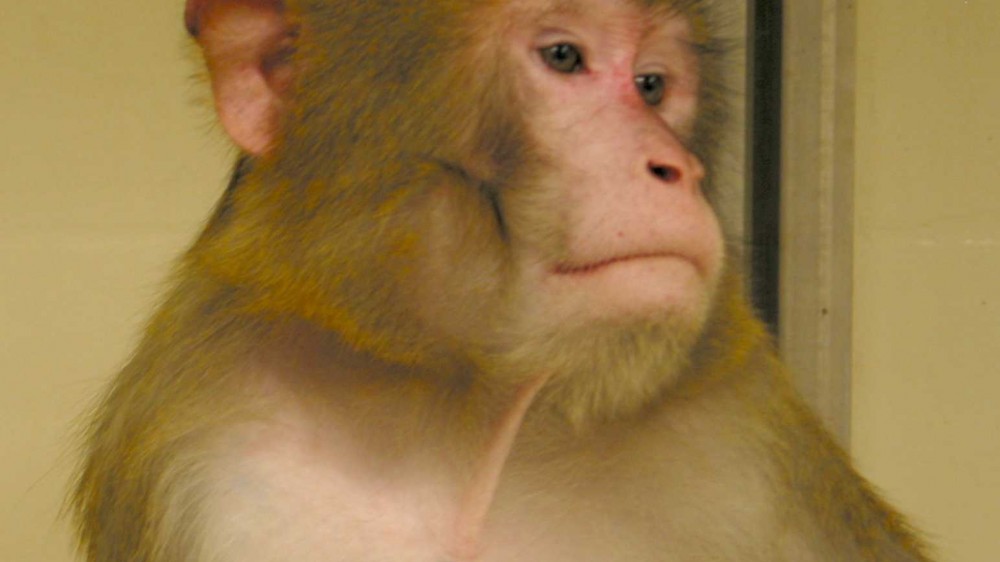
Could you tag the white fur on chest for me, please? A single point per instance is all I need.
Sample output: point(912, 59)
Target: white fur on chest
point(287, 496)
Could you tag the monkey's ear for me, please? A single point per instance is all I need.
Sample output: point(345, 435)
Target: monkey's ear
point(246, 44)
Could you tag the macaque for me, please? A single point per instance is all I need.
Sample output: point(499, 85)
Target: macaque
point(466, 300)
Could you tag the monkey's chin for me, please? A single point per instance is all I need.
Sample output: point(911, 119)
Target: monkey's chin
point(612, 339)
point(604, 369)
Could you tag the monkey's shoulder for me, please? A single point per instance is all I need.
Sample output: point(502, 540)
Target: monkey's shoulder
point(280, 491)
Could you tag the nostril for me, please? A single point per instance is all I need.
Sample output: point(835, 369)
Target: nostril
point(669, 174)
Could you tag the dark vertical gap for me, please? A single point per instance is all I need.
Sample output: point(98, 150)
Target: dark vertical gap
point(764, 194)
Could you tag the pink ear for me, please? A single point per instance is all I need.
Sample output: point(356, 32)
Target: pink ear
point(245, 43)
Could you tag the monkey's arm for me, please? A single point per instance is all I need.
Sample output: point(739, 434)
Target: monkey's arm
point(836, 505)
point(139, 492)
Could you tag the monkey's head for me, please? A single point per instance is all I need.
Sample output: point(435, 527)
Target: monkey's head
point(509, 188)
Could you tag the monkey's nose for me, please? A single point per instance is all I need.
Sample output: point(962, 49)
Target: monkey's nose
point(666, 174)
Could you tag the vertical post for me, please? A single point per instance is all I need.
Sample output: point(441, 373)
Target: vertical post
point(817, 182)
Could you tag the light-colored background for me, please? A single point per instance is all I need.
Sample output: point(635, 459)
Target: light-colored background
point(110, 163)
point(926, 408)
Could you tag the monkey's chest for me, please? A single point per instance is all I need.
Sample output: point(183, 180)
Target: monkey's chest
point(284, 502)
point(313, 514)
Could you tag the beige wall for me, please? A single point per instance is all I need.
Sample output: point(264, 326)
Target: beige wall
point(927, 278)
point(109, 165)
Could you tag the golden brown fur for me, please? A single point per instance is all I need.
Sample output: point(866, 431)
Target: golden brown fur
point(359, 323)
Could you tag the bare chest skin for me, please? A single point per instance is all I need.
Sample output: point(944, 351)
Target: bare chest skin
point(304, 488)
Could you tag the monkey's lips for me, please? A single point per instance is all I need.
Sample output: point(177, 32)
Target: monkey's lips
point(592, 268)
point(640, 283)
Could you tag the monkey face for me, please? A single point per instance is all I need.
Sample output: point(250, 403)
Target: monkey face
point(605, 247)
point(621, 228)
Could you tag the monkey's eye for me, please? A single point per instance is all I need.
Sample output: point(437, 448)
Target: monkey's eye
point(563, 57)
point(652, 88)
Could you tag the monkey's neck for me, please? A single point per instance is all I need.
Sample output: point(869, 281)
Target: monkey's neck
point(470, 518)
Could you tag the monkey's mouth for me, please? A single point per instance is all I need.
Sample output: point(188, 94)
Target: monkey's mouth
point(580, 270)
